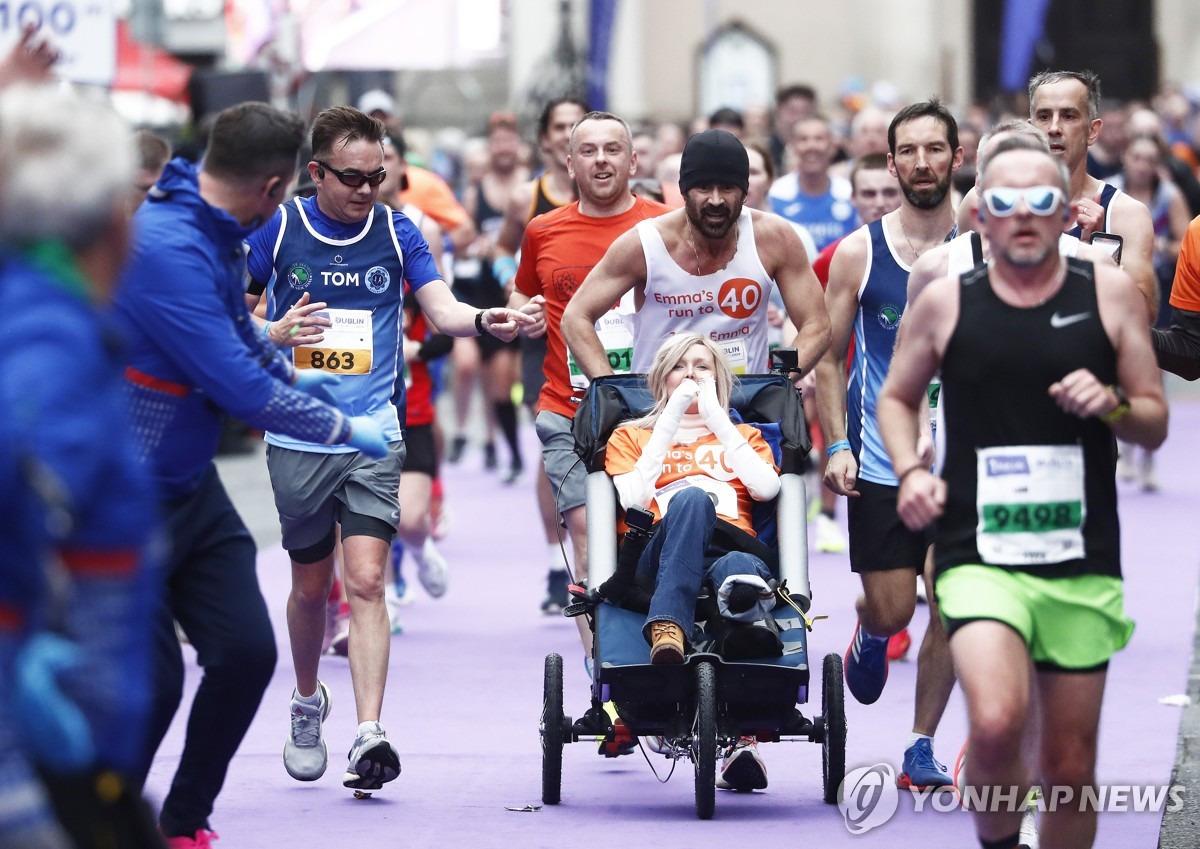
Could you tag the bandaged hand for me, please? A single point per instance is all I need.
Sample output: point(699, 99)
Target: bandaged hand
point(666, 427)
point(715, 416)
point(683, 396)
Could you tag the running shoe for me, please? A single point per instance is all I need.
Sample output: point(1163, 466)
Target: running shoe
point(866, 666)
point(393, 603)
point(439, 519)
point(921, 770)
point(489, 456)
point(340, 645)
point(1147, 475)
point(557, 595)
point(623, 742)
point(373, 760)
point(898, 645)
point(202, 839)
point(1029, 826)
point(656, 744)
point(960, 770)
point(432, 569)
point(1126, 468)
point(513, 473)
point(457, 446)
point(304, 754)
point(333, 606)
point(743, 769)
point(830, 537)
point(399, 586)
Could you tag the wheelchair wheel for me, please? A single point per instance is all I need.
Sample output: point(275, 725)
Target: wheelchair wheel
point(833, 726)
point(552, 730)
point(704, 740)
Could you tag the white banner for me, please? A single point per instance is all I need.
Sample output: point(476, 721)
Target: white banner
point(84, 31)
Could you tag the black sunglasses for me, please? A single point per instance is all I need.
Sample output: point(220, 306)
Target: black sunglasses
point(352, 178)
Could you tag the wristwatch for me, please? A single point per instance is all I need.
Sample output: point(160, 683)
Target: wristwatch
point(479, 323)
point(1118, 412)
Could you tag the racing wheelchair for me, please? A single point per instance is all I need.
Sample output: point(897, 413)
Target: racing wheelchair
point(709, 701)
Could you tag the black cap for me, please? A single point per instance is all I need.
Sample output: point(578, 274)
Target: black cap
point(714, 157)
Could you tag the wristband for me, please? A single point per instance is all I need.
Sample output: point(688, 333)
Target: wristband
point(479, 324)
point(1118, 412)
point(840, 445)
point(504, 268)
point(267, 330)
point(915, 467)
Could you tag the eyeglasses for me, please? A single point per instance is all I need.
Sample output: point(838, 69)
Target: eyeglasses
point(352, 178)
point(1044, 201)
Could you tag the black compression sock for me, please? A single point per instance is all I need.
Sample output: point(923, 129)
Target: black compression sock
point(506, 417)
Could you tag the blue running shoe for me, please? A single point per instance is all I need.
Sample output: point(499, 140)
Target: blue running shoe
point(866, 666)
point(921, 770)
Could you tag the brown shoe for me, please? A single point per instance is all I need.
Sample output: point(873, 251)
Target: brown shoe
point(666, 643)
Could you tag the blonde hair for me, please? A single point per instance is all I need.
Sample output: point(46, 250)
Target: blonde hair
point(672, 351)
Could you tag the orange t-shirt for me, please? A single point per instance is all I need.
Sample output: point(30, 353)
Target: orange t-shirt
point(701, 463)
point(557, 252)
point(1185, 291)
point(429, 193)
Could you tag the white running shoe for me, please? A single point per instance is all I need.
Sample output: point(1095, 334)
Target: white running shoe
point(432, 569)
point(656, 744)
point(1126, 467)
point(393, 603)
point(1147, 476)
point(830, 537)
point(373, 760)
point(340, 644)
point(743, 769)
point(1029, 826)
point(332, 624)
point(304, 754)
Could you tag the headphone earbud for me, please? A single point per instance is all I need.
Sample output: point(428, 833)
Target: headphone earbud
point(979, 213)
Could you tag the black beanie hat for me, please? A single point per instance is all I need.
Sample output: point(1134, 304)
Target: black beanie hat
point(714, 157)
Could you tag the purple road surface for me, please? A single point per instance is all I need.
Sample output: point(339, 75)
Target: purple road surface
point(465, 688)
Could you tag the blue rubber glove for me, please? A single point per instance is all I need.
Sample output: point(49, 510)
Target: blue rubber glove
point(53, 726)
point(367, 437)
point(317, 383)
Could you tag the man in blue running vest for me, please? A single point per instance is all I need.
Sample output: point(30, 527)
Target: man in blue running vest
point(866, 295)
point(346, 250)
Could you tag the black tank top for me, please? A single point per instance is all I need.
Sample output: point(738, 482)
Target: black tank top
point(542, 202)
point(474, 281)
point(996, 373)
point(1106, 195)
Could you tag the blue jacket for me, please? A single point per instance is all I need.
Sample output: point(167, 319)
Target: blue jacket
point(194, 349)
point(73, 483)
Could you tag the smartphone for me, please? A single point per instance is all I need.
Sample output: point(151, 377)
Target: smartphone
point(1111, 242)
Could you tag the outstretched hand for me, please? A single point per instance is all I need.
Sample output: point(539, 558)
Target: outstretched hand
point(504, 323)
point(30, 59)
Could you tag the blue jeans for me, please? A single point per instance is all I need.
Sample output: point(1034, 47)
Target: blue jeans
point(679, 556)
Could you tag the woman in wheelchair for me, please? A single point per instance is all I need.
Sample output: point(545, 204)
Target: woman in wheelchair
point(697, 472)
